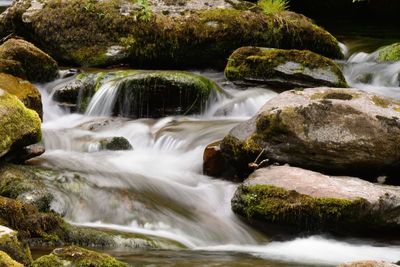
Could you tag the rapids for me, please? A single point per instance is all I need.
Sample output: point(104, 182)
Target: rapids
point(158, 188)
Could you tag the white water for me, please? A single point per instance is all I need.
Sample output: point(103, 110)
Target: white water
point(158, 189)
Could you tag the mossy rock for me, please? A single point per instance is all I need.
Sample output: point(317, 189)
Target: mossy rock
point(19, 126)
point(98, 33)
point(332, 130)
point(24, 90)
point(302, 200)
point(10, 244)
point(37, 65)
point(77, 257)
point(389, 53)
point(7, 261)
point(115, 143)
point(24, 184)
point(12, 67)
point(282, 69)
point(143, 94)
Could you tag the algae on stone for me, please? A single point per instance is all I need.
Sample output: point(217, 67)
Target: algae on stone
point(7, 261)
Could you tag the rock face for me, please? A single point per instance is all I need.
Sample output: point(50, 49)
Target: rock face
point(389, 53)
point(141, 94)
point(36, 65)
point(19, 126)
point(24, 90)
point(7, 261)
point(303, 200)
point(342, 131)
point(76, 256)
point(198, 35)
point(9, 244)
point(282, 69)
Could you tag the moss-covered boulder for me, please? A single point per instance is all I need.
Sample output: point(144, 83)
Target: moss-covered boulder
point(369, 264)
point(77, 257)
point(7, 261)
point(25, 184)
point(139, 94)
point(342, 131)
point(282, 69)
point(19, 126)
point(10, 244)
point(302, 200)
point(389, 53)
point(24, 90)
point(93, 33)
point(37, 65)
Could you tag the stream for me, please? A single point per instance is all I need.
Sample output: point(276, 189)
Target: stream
point(158, 189)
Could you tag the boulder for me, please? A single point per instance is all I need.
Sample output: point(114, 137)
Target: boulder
point(9, 244)
point(282, 69)
point(213, 161)
point(12, 67)
point(389, 53)
point(19, 126)
point(76, 256)
point(141, 94)
point(7, 261)
point(303, 200)
point(37, 65)
point(369, 264)
point(337, 131)
point(24, 90)
point(98, 33)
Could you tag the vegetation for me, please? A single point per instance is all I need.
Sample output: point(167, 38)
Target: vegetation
point(273, 6)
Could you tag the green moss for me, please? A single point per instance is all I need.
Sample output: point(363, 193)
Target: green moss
point(19, 126)
point(79, 257)
point(335, 94)
point(276, 205)
point(7, 261)
point(389, 53)
point(379, 101)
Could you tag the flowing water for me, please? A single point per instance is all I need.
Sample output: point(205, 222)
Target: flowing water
point(158, 188)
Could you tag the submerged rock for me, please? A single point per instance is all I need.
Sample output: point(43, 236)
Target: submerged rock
point(24, 90)
point(142, 94)
point(19, 126)
point(342, 131)
point(75, 256)
point(389, 53)
point(7, 261)
point(9, 244)
point(303, 200)
point(36, 65)
point(282, 69)
point(115, 143)
point(108, 32)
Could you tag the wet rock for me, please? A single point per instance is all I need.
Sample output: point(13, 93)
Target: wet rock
point(37, 65)
point(144, 94)
point(389, 53)
point(7, 261)
point(303, 200)
point(24, 90)
point(341, 131)
point(369, 264)
point(188, 34)
point(76, 256)
point(19, 126)
point(12, 67)
point(9, 244)
point(115, 143)
point(29, 152)
point(282, 69)
point(213, 161)
point(23, 183)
